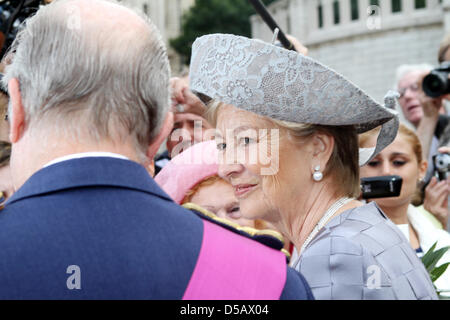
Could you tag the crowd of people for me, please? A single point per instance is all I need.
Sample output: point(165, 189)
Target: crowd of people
point(257, 194)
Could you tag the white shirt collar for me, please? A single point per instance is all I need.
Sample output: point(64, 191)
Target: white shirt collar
point(86, 155)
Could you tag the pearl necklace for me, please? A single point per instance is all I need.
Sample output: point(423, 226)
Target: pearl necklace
point(328, 214)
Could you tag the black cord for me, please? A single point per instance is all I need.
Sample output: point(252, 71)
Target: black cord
point(14, 16)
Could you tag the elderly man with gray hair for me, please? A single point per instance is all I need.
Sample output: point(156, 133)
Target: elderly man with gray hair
point(427, 116)
point(89, 97)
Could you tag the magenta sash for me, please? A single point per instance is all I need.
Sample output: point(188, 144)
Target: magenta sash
point(232, 267)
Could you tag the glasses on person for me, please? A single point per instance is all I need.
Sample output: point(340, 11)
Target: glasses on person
point(414, 88)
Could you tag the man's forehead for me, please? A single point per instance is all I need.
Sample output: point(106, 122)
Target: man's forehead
point(412, 76)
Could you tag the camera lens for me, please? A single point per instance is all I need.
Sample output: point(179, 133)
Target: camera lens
point(442, 162)
point(435, 84)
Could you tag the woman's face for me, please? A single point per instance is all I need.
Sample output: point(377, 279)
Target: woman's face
point(396, 159)
point(263, 165)
point(219, 199)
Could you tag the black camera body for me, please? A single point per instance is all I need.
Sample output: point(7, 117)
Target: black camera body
point(441, 163)
point(437, 83)
point(381, 187)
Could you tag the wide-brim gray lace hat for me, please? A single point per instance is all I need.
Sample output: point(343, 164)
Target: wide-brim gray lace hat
point(282, 84)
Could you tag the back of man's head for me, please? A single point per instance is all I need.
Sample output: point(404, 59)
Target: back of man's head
point(93, 69)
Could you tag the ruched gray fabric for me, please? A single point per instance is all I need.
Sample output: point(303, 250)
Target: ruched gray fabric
point(362, 255)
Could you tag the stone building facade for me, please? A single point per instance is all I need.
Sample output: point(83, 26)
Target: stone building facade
point(364, 40)
point(166, 14)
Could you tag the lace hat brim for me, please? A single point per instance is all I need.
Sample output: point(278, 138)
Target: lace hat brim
point(281, 84)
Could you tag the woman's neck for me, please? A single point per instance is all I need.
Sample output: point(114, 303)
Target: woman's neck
point(398, 214)
point(297, 226)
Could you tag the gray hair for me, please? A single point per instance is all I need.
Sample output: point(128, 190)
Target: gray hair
point(404, 69)
point(114, 82)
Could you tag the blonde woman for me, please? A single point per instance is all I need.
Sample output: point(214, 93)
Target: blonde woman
point(277, 105)
point(404, 158)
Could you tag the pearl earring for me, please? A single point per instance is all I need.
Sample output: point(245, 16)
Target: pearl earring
point(317, 175)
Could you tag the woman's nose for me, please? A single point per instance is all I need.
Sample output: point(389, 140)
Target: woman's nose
point(227, 171)
point(387, 169)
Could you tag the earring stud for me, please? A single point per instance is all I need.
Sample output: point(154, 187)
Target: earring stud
point(317, 175)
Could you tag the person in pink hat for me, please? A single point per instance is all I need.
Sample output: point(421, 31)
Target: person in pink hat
point(192, 177)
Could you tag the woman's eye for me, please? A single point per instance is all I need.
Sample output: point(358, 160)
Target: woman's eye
point(246, 141)
point(235, 213)
point(373, 163)
point(221, 146)
point(398, 163)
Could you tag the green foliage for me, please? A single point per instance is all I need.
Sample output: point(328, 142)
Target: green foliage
point(431, 258)
point(213, 16)
point(438, 271)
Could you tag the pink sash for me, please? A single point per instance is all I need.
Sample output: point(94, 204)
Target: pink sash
point(232, 267)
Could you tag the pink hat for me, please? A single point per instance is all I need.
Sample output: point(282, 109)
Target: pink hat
point(187, 169)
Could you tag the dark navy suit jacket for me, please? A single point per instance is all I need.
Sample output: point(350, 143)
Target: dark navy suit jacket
point(108, 218)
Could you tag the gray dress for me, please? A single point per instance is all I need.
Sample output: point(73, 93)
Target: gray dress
point(361, 254)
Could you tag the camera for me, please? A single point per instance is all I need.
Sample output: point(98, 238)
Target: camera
point(441, 163)
point(381, 187)
point(437, 83)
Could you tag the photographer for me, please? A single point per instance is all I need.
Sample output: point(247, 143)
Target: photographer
point(425, 115)
point(437, 194)
point(404, 158)
point(433, 123)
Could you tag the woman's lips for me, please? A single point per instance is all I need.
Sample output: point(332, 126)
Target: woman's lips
point(242, 189)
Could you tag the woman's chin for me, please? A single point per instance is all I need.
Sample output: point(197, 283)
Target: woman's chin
point(390, 202)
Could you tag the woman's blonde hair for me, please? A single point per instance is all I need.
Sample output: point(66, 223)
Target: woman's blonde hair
point(409, 134)
point(413, 140)
point(443, 48)
point(344, 161)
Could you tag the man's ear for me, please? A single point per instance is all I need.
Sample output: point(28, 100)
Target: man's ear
point(162, 135)
point(17, 120)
